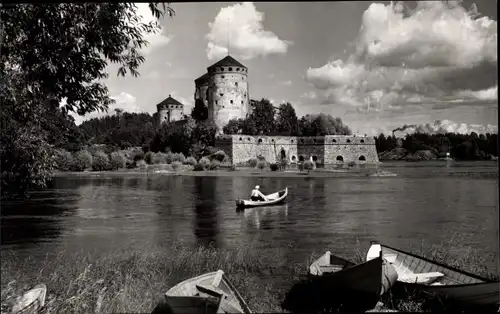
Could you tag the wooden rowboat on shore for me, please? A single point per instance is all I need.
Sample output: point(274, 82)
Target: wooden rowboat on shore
point(30, 302)
point(209, 293)
point(420, 274)
point(272, 199)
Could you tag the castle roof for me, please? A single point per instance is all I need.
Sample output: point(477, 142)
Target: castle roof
point(202, 78)
point(169, 101)
point(227, 61)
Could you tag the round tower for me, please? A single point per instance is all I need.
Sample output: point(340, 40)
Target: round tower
point(228, 96)
point(170, 110)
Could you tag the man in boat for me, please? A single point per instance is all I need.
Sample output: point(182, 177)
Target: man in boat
point(257, 195)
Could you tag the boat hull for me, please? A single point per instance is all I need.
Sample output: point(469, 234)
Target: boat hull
point(196, 295)
point(274, 199)
point(450, 283)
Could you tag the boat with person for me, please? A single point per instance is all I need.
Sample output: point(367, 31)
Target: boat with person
point(209, 293)
point(271, 199)
point(421, 274)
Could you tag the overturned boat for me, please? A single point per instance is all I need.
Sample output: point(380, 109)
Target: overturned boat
point(420, 274)
point(209, 293)
point(272, 199)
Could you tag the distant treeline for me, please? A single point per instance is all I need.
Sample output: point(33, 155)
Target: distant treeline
point(471, 146)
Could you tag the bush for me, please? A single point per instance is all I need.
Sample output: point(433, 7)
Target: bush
point(220, 156)
point(169, 157)
point(274, 167)
point(145, 149)
point(262, 165)
point(100, 161)
point(232, 168)
point(252, 162)
point(179, 157)
point(82, 160)
point(63, 160)
point(301, 166)
point(199, 167)
point(148, 158)
point(177, 166)
point(190, 161)
point(214, 165)
point(138, 156)
point(308, 165)
point(117, 161)
point(160, 158)
point(125, 145)
point(130, 165)
point(205, 162)
point(141, 164)
point(261, 158)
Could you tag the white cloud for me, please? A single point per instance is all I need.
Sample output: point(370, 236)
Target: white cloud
point(123, 101)
point(241, 25)
point(286, 83)
point(438, 49)
point(309, 95)
point(485, 94)
point(156, 40)
point(446, 126)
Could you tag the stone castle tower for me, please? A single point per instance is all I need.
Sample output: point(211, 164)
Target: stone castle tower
point(170, 110)
point(224, 91)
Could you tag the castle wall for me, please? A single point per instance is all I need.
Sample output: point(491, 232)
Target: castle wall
point(350, 148)
point(201, 93)
point(241, 148)
point(311, 147)
point(228, 94)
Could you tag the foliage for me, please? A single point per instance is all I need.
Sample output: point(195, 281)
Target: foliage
point(117, 161)
point(199, 167)
point(145, 148)
point(179, 157)
point(274, 167)
point(205, 162)
point(141, 164)
point(199, 111)
point(220, 156)
point(322, 124)
point(138, 156)
point(148, 158)
point(82, 160)
point(100, 162)
point(53, 62)
point(63, 160)
point(190, 161)
point(261, 158)
point(460, 146)
point(160, 158)
point(177, 166)
point(262, 165)
point(252, 162)
point(214, 165)
point(308, 165)
point(287, 122)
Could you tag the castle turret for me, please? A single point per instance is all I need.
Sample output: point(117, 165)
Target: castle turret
point(170, 110)
point(228, 96)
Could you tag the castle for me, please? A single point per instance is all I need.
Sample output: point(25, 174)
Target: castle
point(225, 93)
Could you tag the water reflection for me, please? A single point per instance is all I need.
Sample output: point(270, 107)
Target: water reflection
point(206, 227)
point(266, 217)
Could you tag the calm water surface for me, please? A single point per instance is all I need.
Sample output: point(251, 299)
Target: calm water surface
point(433, 202)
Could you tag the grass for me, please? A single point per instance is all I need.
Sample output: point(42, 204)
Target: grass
point(132, 282)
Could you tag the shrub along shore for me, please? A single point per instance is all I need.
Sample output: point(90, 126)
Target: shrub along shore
point(134, 280)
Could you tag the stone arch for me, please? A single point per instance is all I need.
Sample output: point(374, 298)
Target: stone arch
point(314, 158)
point(260, 140)
point(362, 158)
point(301, 158)
point(283, 154)
point(334, 141)
point(340, 158)
point(348, 140)
point(294, 158)
point(362, 141)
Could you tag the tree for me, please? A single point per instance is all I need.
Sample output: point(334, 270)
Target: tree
point(262, 117)
point(199, 111)
point(234, 126)
point(287, 122)
point(322, 124)
point(53, 52)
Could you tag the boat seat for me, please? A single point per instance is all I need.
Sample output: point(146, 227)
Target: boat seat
point(331, 268)
point(421, 278)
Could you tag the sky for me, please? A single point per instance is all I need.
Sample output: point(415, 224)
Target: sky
point(378, 66)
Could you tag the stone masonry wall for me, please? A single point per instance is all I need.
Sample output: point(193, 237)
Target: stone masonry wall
point(311, 147)
point(272, 148)
point(350, 148)
point(243, 148)
point(228, 96)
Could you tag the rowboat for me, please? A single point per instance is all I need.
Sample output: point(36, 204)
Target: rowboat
point(272, 199)
point(209, 293)
point(30, 302)
point(373, 277)
point(420, 274)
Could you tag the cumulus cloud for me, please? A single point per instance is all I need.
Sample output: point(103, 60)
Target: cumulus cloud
point(446, 126)
point(241, 25)
point(405, 56)
point(123, 101)
point(156, 40)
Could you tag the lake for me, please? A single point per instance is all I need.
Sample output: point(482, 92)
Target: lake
point(427, 202)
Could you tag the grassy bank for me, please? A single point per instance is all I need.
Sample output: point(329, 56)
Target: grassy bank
point(135, 281)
